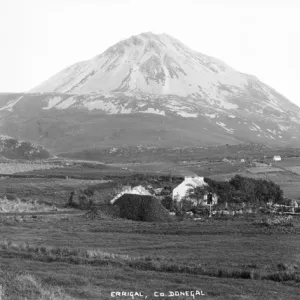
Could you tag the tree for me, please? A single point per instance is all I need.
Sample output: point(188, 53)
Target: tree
point(168, 203)
point(198, 193)
point(244, 189)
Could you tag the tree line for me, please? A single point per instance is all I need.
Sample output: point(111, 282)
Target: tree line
point(243, 189)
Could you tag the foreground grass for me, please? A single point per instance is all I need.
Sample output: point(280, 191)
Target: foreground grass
point(17, 284)
point(97, 282)
point(227, 259)
point(148, 263)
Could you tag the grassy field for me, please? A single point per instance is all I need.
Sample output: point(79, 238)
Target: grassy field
point(264, 170)
point(83, 258)
point(44, 190)
point(128, 168)
point(295, 170)
point(89, 259)
point(287, 162)
point(13, 167)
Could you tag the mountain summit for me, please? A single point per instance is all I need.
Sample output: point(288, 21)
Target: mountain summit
point(158, 64)
point(150, 89)
point(151, 63)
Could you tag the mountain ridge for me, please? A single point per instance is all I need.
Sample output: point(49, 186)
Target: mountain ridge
point(159, 79)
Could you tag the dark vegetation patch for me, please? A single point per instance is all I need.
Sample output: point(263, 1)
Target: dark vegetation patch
point(11, 148)
point(248, 190)
point(142, 208)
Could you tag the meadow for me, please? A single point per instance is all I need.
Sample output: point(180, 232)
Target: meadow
point(16, 167)
point(52, 191)
point(226, 259)
point(81, 257)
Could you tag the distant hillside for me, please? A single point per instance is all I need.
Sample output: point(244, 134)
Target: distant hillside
point(11, 148)
point(149, 154)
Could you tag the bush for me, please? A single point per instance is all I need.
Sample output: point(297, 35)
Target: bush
point(243, 189)
point(168, 203)
point(275, 221)
point(186, 205)
point(80, 200)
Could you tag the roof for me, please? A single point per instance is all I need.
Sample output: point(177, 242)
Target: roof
point(188, 184)
point(137, 190)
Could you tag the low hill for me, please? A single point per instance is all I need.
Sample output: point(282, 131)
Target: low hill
point(11, 148)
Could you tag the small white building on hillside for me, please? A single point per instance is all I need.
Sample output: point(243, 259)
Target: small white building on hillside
point(277, 158)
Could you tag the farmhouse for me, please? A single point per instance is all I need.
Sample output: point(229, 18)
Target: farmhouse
point(190, 183)
point(277, 158)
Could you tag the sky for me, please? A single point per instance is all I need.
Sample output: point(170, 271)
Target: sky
point(39, 38)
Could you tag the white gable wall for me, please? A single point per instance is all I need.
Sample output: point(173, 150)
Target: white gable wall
point(183, 189)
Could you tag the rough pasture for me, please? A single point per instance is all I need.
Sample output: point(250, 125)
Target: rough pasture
point(264, 170)
point(91, 258)
point(14, 167)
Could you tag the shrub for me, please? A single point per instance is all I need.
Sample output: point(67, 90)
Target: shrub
point(243, 189)
point(80, 200)
point(168, 203)
point(275, 221)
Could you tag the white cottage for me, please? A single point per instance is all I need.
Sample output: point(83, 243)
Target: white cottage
point(277, 158)
point(188, 185)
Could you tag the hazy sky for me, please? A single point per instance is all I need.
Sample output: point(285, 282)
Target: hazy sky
point(38, 38)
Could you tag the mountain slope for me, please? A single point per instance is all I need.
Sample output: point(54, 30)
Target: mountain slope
point(150, 89)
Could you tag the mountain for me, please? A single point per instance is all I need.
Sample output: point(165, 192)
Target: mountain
point(150, 89)
point(11, 148)
point(147, 63)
